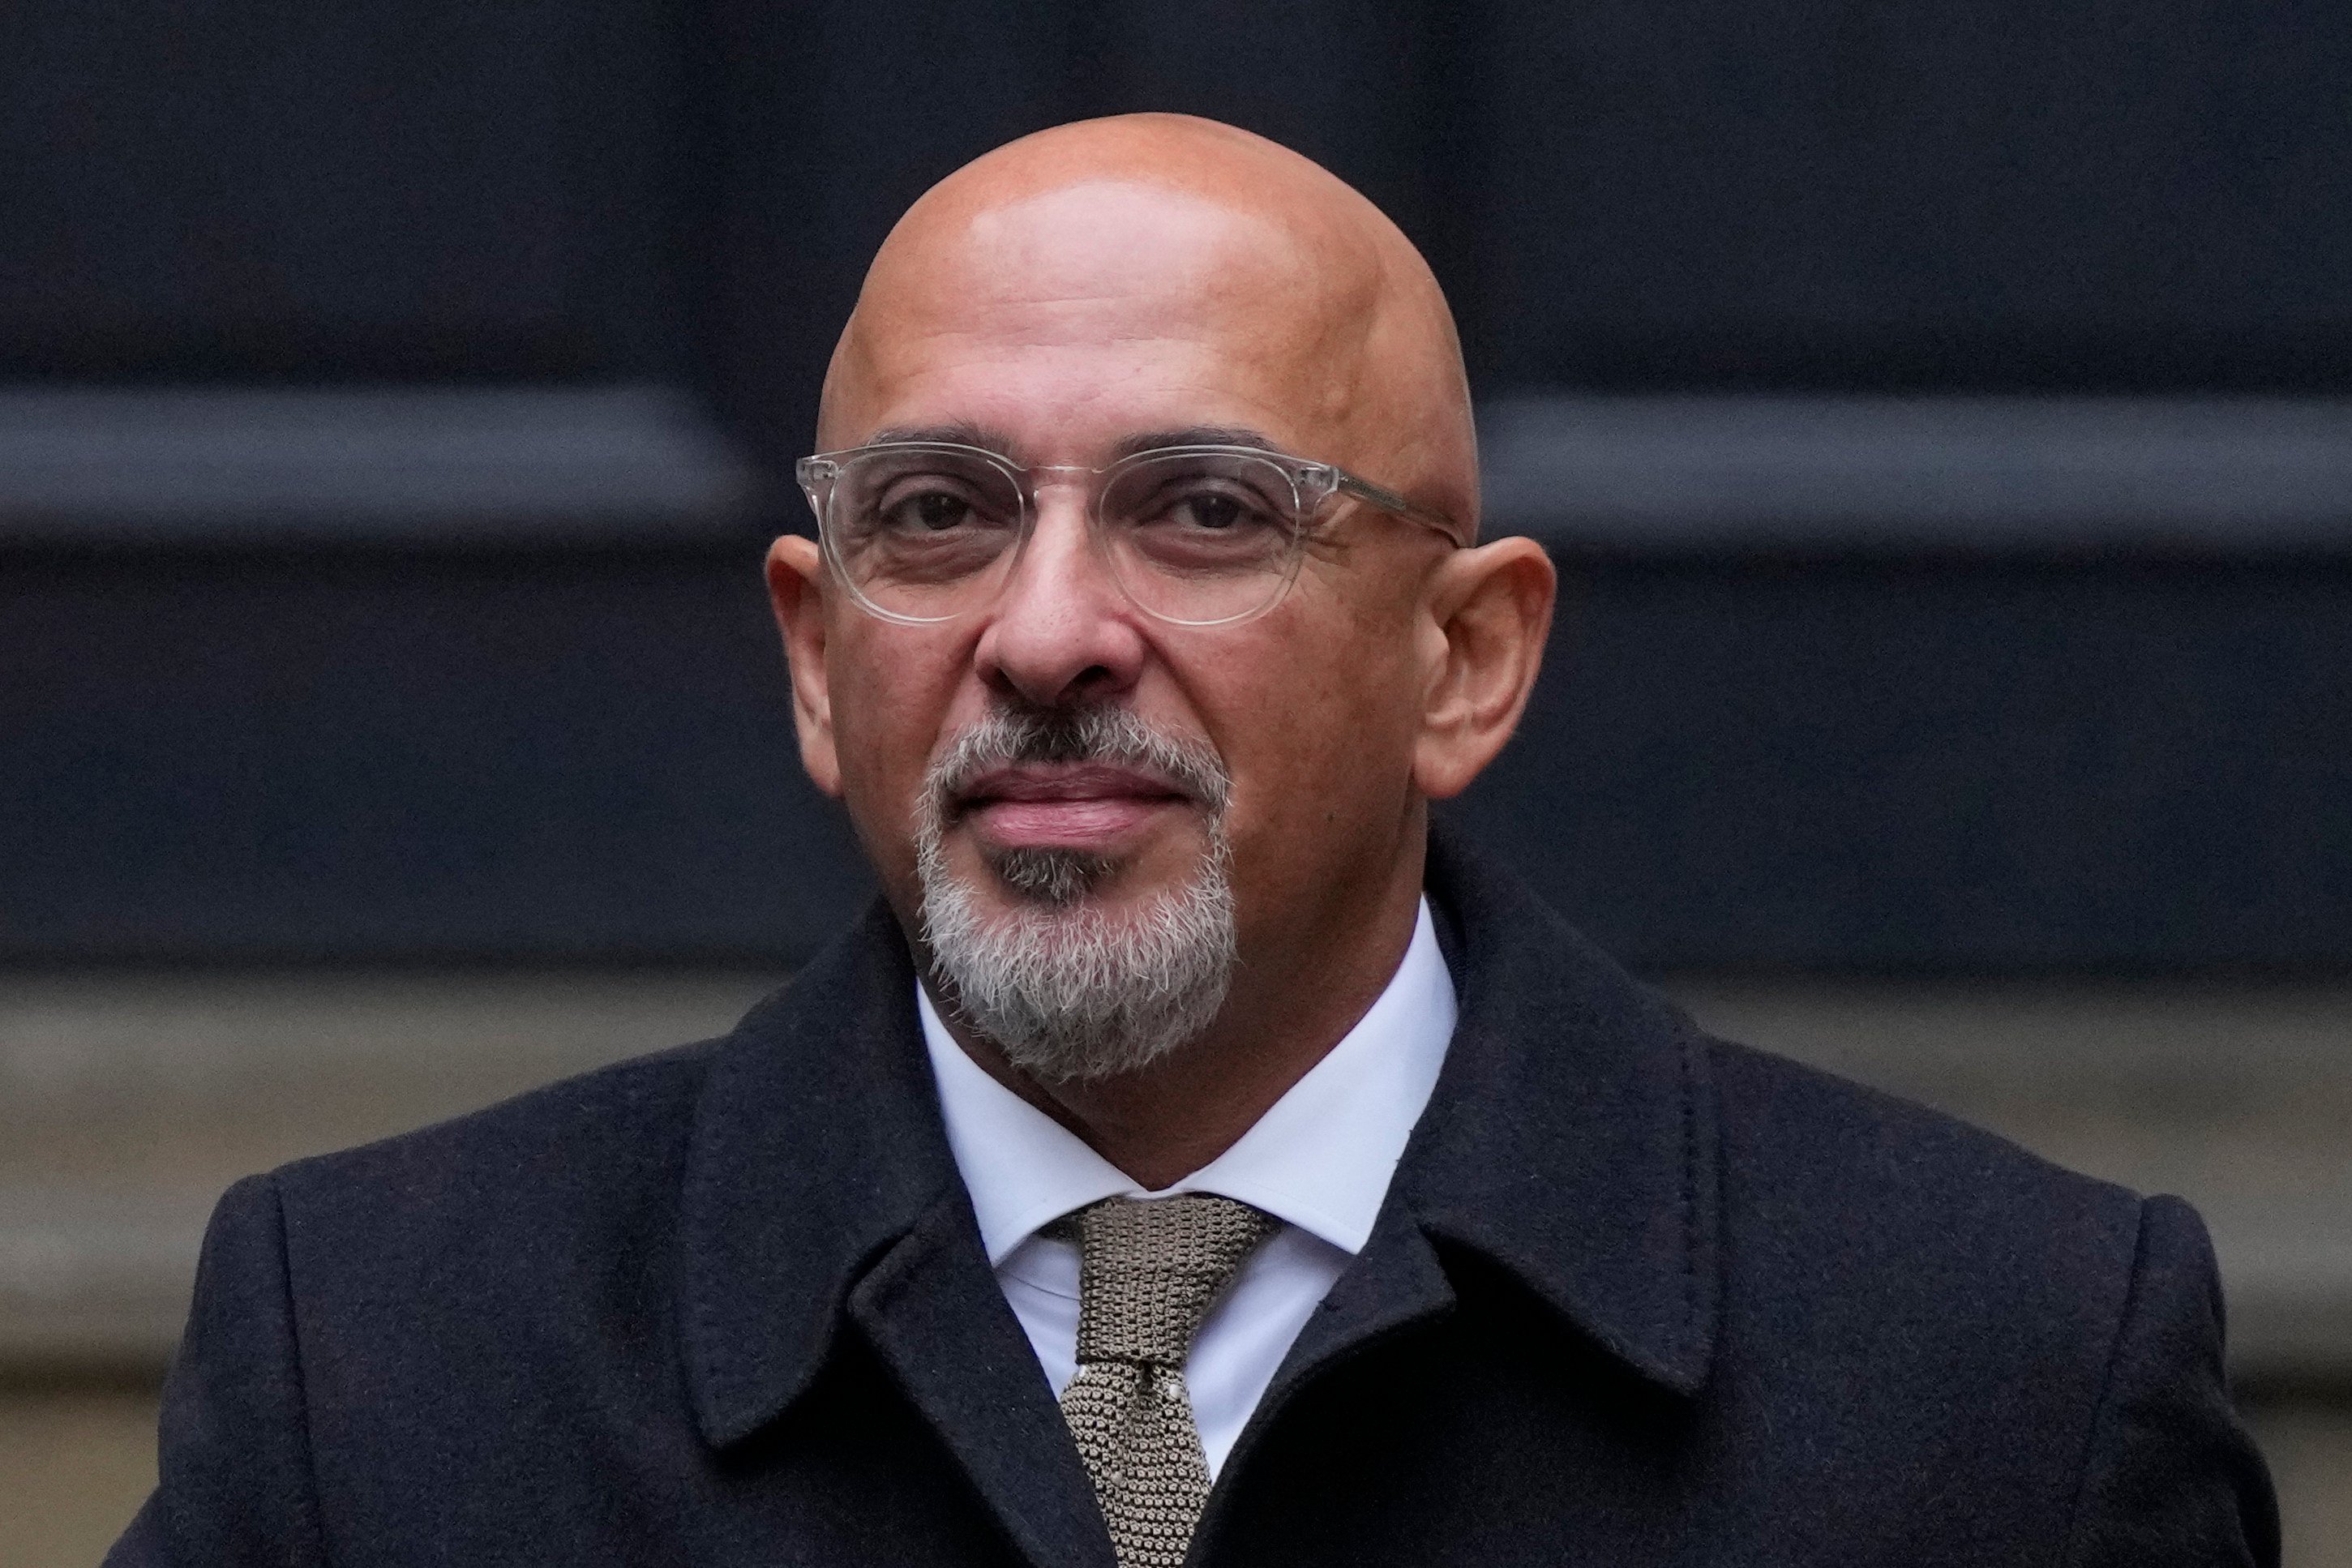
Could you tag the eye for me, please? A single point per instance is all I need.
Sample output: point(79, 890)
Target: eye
point(1200, 515)
point(1205, 504)
point(933, 510)
point(921, 505)
point(1209, 509)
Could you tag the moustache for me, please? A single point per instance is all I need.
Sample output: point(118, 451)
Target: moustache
point(1101, 736)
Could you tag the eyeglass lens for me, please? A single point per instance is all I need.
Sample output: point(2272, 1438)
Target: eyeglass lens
point(1194, 537)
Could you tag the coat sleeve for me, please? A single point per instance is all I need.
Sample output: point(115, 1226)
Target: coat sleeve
point(2171, 1479)
point(233, 1485)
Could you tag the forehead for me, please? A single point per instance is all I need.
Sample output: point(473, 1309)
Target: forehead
point(1102, 307)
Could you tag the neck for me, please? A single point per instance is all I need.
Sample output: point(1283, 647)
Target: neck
point(1162, 1123)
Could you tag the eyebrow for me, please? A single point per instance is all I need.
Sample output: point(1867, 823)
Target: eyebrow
point(955, 432)
point(1194, 436)
point(965, 433)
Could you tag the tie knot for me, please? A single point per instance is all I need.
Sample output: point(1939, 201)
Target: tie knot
point(1150, 1270)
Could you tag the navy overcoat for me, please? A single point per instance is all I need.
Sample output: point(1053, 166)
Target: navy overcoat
point(1637, 1297)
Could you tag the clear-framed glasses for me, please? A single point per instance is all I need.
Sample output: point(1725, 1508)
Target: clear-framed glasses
point(921, 531)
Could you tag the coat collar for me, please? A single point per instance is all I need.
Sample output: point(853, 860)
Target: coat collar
point(820, 1192)
point(816, 1147)
point(1570, 1140)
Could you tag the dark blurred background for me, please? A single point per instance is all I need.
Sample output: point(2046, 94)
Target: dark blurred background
point(1944, 411)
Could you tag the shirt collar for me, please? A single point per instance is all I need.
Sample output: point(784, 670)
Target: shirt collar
point(1321, 1158)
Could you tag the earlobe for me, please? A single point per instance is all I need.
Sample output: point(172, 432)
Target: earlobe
point(796, 588)
point(1488, 614)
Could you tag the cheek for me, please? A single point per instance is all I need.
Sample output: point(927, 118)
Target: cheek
point(1326, 731)
point(890, 699)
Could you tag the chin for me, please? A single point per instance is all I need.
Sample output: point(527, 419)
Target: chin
point(1073, 972)
point(1051, 878)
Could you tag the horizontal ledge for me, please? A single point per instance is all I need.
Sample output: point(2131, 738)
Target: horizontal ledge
point(447, 465)
point(490, 466)
point(103, 1285)
point(129, 1099)
point(1920, 475)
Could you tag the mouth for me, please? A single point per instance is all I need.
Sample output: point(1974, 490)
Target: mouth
point(1091, 806)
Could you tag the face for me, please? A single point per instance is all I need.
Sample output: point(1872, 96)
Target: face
point(1057, 333)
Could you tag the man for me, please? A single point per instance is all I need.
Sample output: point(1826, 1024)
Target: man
point(1188, 1155)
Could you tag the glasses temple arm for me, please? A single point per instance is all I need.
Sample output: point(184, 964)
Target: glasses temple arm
point(1388, 500)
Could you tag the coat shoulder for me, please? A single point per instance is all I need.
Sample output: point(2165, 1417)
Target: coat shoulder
point(1857, 1223)
point(582, 1153)
point(1787, 1125)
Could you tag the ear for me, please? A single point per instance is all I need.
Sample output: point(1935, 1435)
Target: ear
point(1488, 611)
point(796, 588)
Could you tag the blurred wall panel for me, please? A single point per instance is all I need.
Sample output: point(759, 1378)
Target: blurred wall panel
point(410, 686)
point(1967, 765)
point(575, 756)
point(2062, 195)
point(824, 121)
point(1357, 88)
point(1963, 764)
point(822, 124)
point(380, 188)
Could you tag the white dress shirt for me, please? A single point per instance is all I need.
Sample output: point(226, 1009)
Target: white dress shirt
point(1319, 1159)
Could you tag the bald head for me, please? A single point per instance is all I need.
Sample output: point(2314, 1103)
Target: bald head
point(1162, 272)
point(1088, 295)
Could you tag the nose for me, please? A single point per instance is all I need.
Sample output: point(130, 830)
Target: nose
point(1060, 632)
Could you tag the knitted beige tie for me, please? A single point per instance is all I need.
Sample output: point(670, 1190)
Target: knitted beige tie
point(1149, 1274)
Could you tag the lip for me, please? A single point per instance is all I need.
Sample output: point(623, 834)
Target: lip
point(1084, 806)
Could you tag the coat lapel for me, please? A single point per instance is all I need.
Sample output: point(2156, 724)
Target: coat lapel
point(933, 1310)
point(820, 1192)
point(1571, 1138)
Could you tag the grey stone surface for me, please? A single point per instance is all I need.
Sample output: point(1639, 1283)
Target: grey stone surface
point(128, 1102)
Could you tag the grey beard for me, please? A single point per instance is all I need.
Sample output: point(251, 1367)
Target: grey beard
point(1064, 989)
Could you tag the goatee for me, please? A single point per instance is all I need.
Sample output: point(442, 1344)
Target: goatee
point(1066, 989)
